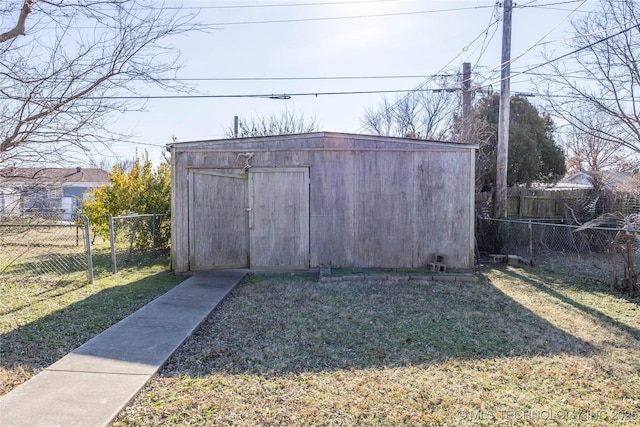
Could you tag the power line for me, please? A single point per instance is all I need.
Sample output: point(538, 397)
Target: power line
point(334, 18)
point(293, 78)
point(278, 96)
point(493, 21)
point(567, 96)
point(573, 52)
point(421, 85)
point(260, 6)
point(217, 25)
point(549, 32)
point(578, 36)
point(545, 5)
point(416, 76)
point(285, 96)
point(574, 75)
point(540, 41)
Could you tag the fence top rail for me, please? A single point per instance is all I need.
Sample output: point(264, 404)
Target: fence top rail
point(527, 221)
point(138, 215)
point(41, 225)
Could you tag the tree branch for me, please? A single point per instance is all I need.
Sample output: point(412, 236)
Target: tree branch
point(19, 29)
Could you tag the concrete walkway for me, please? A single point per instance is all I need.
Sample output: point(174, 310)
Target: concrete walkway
point(93, 383)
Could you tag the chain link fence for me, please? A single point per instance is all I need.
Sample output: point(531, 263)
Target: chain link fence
point(137, 237)
point(37, 247)
point(589, 252)
point(40, 247)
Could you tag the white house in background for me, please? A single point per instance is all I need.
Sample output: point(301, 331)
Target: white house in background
point(47, 192)
point(585, 180)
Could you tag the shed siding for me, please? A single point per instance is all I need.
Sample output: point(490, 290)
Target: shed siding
point(373, 202)
point(218, 231)
point(279, 218)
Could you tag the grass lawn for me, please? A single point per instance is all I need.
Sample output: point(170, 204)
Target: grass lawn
point(42, 318)
point(519, 347)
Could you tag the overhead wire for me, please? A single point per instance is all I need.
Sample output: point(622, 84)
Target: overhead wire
point(421, 87)
point(573, 52)
point(541, 39)
point(294, 78)
point(548, 32)
point(334, 18)
point(260, 6)
point(544, 5)
point(252, 95)
point(532, 4)
point(496, 69)
point(493, 21)
point(315, 19)
point(424, 83)
point(219, 25)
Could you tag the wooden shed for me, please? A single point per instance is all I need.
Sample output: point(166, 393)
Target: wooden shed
point(321, 199)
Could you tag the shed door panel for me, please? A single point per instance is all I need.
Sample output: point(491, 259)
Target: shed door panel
point(217, 220)
point(279, 221)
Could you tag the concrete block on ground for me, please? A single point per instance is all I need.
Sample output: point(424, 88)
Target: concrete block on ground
point(443, 278)
point(438, 267)
point(467, 278)
point(331, 279)
point(325, 271)
point(422, 277)
point(353, 277)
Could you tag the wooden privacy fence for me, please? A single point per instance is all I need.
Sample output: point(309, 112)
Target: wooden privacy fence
point(559, 204)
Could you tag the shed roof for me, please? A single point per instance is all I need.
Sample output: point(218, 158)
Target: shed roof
point(319, 140)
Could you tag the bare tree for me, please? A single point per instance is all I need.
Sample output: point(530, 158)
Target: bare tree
point(66, 65)
point(603, 78)
point(632, 186)
point(586, 152)
point(423, 114)
point(285, 123)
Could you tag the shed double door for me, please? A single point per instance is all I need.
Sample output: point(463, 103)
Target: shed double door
point(258, 219)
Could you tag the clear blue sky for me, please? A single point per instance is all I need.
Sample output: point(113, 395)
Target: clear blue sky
point(316, 38)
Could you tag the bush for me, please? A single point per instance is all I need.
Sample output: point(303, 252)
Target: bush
point(142, 190)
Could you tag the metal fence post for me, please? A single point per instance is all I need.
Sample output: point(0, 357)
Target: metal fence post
point(153, 234)
point(112, 238)
point(530, 241)
point(87, 244)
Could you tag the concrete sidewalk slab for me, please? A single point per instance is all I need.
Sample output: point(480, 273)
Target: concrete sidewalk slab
point(93, 383)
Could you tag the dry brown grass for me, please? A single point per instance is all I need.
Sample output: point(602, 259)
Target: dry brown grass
point(43, 318)
point(520, 347)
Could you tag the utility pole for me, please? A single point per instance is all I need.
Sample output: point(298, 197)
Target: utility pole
point(466, 103)
point(502, 159)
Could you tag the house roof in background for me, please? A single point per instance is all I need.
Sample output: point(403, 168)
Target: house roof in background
point(53, 175)
point(611, 179)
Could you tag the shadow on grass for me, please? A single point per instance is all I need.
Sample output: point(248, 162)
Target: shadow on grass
point(48, 263)
point(587, 310)
point(50, 290)
point(38, 344)
point(294, 325)
point(57, 264)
